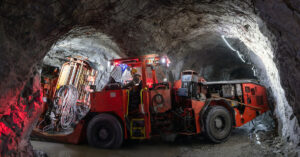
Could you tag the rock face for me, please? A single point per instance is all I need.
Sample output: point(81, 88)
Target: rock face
point(283, 19)
point(18, 120)
point(210, 56)
point(89, 43)
point(268, 29)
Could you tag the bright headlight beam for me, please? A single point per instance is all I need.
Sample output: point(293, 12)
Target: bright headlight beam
point(237, 52)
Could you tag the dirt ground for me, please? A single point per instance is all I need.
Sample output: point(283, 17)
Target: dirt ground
point(239, 145)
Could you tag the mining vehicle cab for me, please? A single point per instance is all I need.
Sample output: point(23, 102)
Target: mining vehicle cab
point(190, 86)
point(189, 81)
point(127, 108)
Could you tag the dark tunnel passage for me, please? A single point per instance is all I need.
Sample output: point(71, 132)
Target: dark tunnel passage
point(221, 40)
point(212, 57)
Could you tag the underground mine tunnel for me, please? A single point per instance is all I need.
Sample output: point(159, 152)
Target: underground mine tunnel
point(152, 78)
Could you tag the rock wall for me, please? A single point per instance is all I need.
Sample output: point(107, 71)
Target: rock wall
point(213, 59)
point(17, 122)
point(283, 19)
point(25, 37)
point(89, 43)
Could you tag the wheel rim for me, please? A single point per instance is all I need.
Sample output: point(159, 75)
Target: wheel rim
point(218, 123)
point(219, 128)
point(104, 135)
point(104, 131)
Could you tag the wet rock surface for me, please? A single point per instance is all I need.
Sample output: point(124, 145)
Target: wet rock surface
point(264, 136)
point(272, 145)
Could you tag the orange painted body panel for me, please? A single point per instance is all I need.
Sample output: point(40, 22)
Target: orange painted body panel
point(177, 84)
point(197, 107)
point(166, 104)
point(254, 95)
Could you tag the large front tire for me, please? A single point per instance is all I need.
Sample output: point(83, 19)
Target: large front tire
point(105, 131)
point(218, 124)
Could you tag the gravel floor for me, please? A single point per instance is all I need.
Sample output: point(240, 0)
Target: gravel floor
point(239, 144)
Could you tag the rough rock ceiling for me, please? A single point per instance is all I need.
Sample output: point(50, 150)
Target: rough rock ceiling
point(208, 54)
point(86, 42)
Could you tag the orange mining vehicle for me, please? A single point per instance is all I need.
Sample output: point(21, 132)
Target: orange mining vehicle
point(139, 103)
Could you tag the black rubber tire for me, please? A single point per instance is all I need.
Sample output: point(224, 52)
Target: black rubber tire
point(212, 132)
point(110, 127)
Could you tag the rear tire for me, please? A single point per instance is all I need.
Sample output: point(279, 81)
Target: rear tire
point(105, 131)
point(217, 124)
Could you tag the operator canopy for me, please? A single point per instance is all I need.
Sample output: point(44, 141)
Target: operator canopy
point(130, 69)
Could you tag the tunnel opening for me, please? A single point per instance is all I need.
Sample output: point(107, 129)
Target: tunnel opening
point(212, 57)
point(217, 58)
point(225, 53)
point(254, 44)
point(162, 27)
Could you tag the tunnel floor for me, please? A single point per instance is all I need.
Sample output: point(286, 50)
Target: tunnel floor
point(239, 144)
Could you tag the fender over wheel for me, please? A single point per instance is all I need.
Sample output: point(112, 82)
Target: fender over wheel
point(105, 131)
point(217, 124)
